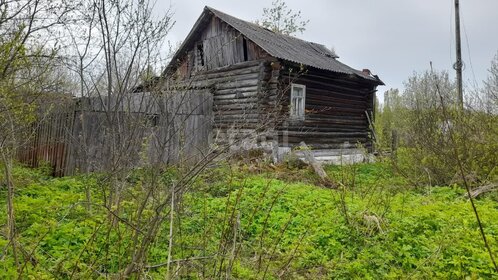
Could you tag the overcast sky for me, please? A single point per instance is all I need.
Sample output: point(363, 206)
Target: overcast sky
point(392, 38)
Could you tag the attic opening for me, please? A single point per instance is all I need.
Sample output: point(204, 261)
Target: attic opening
point(200, 55)
point(244, 46)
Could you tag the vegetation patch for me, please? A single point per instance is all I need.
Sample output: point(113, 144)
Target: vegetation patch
point(259, 225)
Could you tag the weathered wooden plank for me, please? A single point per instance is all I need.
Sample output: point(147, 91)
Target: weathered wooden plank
point(81, 138)
point(238, 95)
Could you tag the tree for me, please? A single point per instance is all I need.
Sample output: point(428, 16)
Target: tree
point(490, 98)
point(280, 18)
point(27, 68)
point(421, 88)
point(387, 118)
point(114, 46)
point(116, 54)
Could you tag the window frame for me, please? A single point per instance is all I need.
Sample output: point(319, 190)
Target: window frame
point(301, 110)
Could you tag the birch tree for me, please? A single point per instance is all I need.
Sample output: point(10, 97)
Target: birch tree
point(281, 19)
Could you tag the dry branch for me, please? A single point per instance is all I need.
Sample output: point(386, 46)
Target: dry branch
point(482, 189)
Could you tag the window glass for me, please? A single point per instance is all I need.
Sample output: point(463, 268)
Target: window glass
point(297, 102)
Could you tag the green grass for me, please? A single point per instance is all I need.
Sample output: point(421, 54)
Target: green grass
point(284, 225)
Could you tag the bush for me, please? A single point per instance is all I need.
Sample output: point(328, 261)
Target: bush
point(435, 136)
point(291, 230)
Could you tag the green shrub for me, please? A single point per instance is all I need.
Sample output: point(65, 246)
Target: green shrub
point(282, 229)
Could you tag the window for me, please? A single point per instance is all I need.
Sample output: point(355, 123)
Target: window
point(244, 47)
point(199, 57)
point(151, 120)
point(298, 93)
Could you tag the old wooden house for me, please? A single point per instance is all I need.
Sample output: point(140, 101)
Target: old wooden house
point(231, 85)
point(272, 90)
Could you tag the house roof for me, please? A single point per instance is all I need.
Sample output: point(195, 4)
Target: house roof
point(277, 45)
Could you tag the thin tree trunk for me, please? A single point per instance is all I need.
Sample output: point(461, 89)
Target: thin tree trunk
point(11, 225)
point(171, 217)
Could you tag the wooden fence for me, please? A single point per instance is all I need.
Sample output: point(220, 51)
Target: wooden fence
point(49, 142)
point(97, 134)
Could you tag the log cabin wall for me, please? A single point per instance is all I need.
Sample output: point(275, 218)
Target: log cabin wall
point(335, 108)
point(271, 100)
point(238, 91)
point(237, 72)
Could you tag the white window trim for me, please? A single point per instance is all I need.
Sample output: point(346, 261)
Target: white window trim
point(297, 115)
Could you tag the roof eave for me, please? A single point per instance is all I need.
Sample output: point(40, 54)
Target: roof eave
point(374, 79)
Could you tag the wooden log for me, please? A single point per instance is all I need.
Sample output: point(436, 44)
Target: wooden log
point(335, 108)
point(323, 129)
point(356, 134)
point(336, 78)
point(331, 98)
point(229, 77)
point(336, 140)
point(219, 102)
point(235, 68)
point(236, 122)
point(324, 121)
point(200, 81)
point(248, 113)
point(482, 190)
point(235, 106)
point(237, 90)
point(324, 146)
point(317, 167)
point(235, 95)
point(245, 117)
point(330, 86)
point(237, 84)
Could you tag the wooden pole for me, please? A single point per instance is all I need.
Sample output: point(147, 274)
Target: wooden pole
point(458, 64)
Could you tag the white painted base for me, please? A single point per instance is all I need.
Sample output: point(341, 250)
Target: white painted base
point(332, 156)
